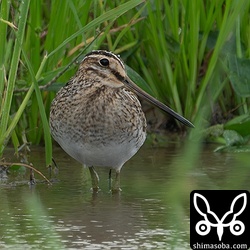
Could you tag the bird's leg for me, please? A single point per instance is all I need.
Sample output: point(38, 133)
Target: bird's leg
point(94, 178)
point(116, 187)
point(110, 179)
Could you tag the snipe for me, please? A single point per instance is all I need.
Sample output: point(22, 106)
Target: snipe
point(96, 117)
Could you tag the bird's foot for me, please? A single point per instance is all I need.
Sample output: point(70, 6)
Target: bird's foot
point(95, 190)
point(116, 186)
point(94, 179)
point(115, 190)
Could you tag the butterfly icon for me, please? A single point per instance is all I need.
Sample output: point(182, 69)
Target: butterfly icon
point(203, 227)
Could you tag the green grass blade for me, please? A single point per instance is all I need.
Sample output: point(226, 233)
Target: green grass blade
point(233, 9)
point(24, 8)
point(47, 137)
point(3, 32)
point(109, 15)
point(4, 139)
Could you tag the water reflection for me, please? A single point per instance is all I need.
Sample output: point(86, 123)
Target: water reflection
point(152, 212)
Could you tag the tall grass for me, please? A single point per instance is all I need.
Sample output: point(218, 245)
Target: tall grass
point(44, 50)
point(182, 49)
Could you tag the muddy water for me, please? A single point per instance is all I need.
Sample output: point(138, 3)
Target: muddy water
point(152, 211)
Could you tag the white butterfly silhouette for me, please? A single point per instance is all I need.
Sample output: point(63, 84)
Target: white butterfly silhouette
point(203, 227)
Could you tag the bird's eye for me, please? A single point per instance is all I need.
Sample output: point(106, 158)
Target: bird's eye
point(104, 62)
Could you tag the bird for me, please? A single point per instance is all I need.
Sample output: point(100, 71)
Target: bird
point(97, 117)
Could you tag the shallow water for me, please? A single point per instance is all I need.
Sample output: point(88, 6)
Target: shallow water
point(152, 211)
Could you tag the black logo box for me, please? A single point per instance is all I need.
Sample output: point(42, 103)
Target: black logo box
point(220, 202)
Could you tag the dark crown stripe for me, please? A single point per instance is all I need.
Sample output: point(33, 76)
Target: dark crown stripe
point(105, 53)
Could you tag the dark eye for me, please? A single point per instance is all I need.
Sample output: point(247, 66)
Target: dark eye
point(104, 62)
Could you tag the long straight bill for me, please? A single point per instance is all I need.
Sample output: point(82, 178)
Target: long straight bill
point(132, 86)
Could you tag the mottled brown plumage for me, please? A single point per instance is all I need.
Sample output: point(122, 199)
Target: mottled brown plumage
point(97, 119)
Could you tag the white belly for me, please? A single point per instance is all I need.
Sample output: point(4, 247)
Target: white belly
point(113, 155)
